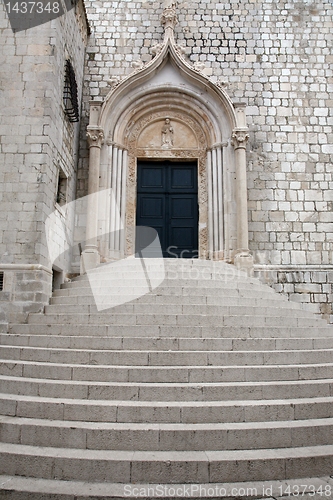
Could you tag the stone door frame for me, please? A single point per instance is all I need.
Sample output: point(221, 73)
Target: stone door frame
point(169, 86)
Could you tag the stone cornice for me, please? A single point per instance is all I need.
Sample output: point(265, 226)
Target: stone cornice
point(25, 267)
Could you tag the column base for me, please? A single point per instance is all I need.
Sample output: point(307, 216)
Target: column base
point(90, 259)
point(244, 262)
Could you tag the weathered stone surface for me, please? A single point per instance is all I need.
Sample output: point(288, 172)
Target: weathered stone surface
point(274, 58)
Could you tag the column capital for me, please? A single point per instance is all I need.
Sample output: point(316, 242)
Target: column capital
point(239, 138)
point(95, 137)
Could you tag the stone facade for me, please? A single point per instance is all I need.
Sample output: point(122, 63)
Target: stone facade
point(37, 144)
point(273, 56)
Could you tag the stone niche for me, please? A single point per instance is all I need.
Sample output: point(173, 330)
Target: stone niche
point(167, 134)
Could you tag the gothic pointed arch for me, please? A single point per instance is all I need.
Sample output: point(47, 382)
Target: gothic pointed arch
point(206, 126)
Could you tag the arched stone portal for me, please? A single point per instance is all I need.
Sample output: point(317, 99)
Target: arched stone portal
point(168, 109)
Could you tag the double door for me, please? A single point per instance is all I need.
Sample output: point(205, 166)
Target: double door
point(167, 201)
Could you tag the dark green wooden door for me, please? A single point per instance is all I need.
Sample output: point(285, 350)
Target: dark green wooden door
point(167, 201)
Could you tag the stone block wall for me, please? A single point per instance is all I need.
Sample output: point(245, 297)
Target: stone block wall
point(36, 141)
point(26, 289)
point(276, 56)
point(312, 287)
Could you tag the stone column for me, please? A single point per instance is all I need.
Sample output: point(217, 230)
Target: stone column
point(90, 256)
point(123, 204)
point(118, 202)
point(210, 205)
point(243, 258)
point(215, 202)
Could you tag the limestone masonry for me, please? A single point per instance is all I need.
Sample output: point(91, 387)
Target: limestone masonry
point(211, 126)
point(275, 57)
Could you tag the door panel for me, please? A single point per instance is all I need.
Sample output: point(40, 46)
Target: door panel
point(152, 206)
point(182, 237)
point(182, 207)
point(151, 210)
point(167, 201)
point(182, 178)
point(152, 178)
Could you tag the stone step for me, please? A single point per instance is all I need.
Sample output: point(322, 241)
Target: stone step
point(223, 283)
point(171, 263)
point(21, 488)
point(210, 377)
point(166, 437)
point(210, 300)
point(157, 274)
point(175, 319)
point(165, 343)
point(193, 412)
point(128, 292)
point(157, 358)
point(165, 374)
point(165, 466)
point(164, 391)
point(197, 271)
point(217, 310)
point(170, 331)
point(192, 266)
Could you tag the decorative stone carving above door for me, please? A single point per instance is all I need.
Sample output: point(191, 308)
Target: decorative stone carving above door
point(169, 109)
point(146, 139)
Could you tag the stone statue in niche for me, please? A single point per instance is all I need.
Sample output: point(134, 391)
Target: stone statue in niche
point(167, 134)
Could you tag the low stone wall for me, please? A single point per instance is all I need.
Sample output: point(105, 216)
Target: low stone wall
point(26, 289)
point(311, 286)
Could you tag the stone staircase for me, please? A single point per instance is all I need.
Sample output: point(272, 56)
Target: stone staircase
point(211, 377)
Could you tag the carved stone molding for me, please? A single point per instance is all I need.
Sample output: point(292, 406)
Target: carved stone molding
point(239, 138)
point(199, 66)
point(166, 150)
point(200, 155)
point(156, 49)
point(134, 132)
point(222, 83)
point(169, 16)
point(180, 49)
point(114, 81)
point(95, 137)
point(165, 153)
point(137, 65)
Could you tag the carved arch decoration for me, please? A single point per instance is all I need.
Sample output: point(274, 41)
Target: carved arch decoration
point(169, 87)
point(193, 147)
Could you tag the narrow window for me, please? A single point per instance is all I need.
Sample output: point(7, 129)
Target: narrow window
point(1, 280)
point(62, 188)
point(70, 93)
